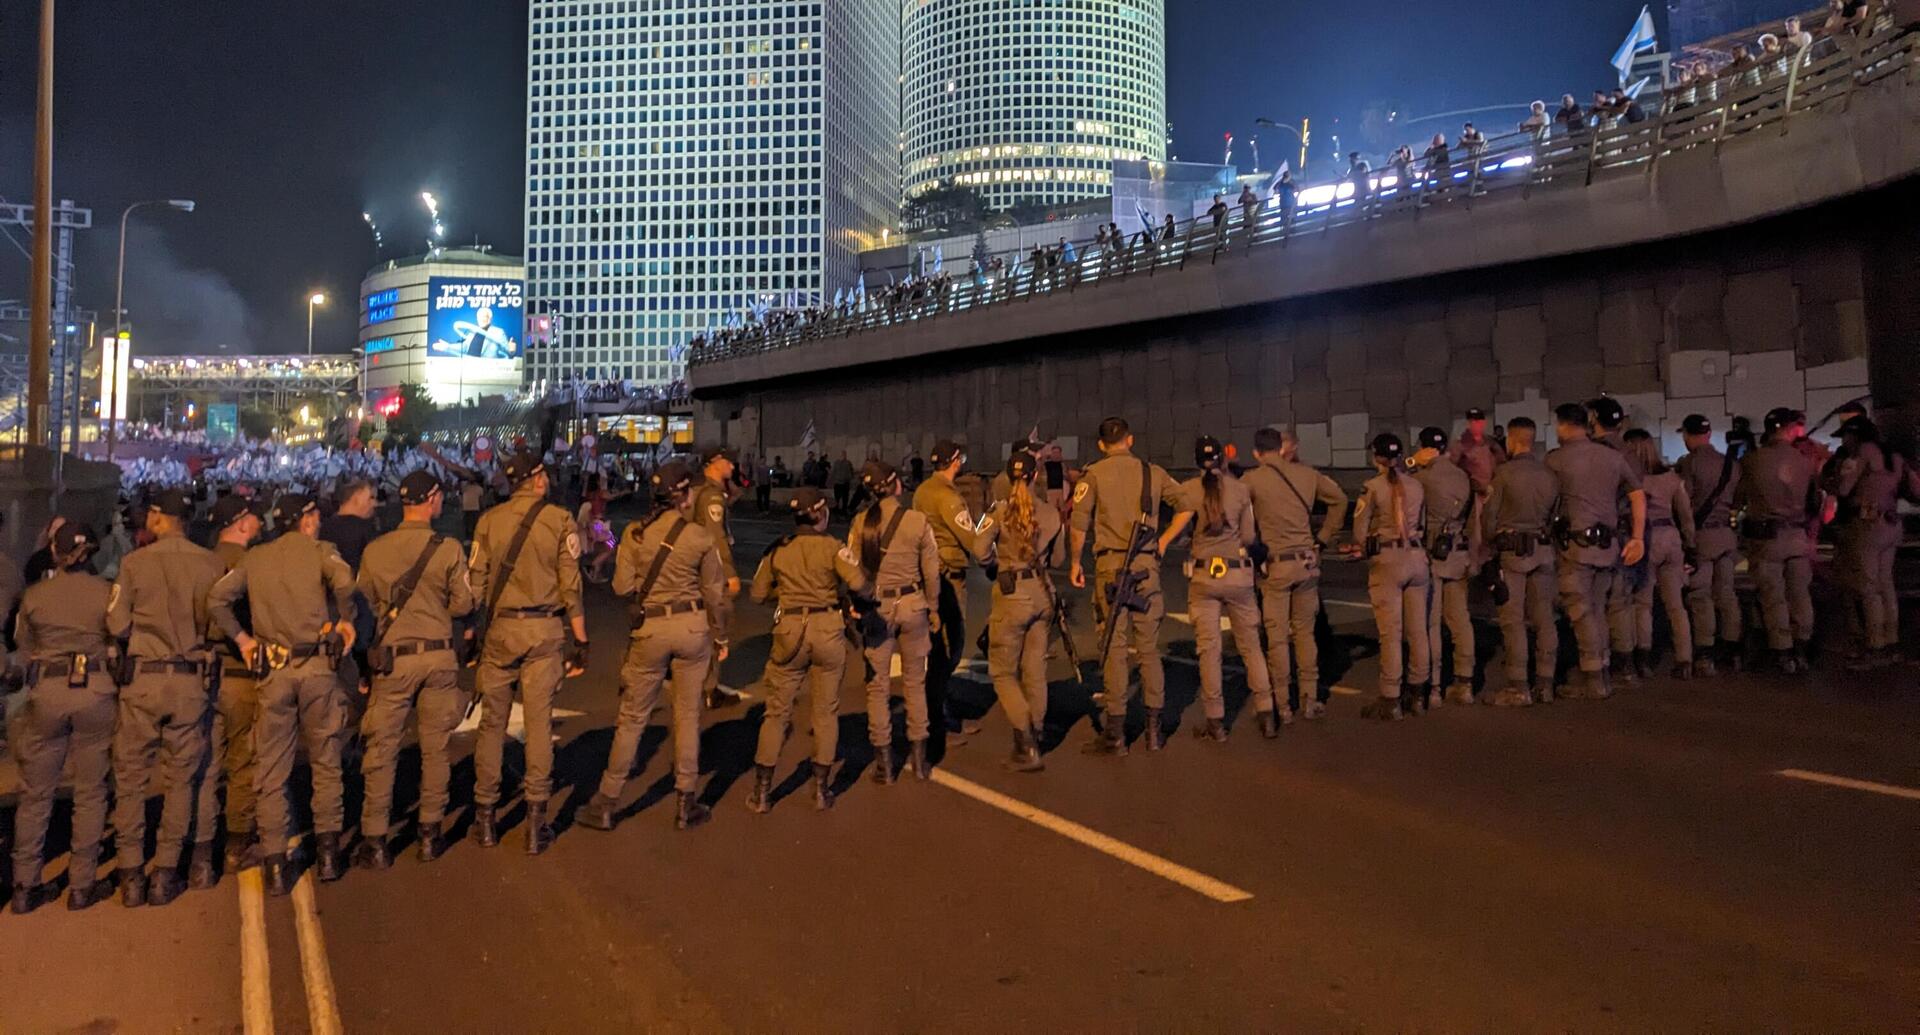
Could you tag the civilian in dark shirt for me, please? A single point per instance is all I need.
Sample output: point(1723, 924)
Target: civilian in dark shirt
point(351, 527)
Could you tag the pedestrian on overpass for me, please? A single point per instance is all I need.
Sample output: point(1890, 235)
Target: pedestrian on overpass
point(1387, 522)
point(1220, 576)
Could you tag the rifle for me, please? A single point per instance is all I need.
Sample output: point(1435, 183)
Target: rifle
point(1123, 593)
point(857, 620)
point(1060, 615)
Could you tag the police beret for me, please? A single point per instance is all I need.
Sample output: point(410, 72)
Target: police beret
point(522, 465)
point(290, 508)
point(173, 503)
point(418, 488)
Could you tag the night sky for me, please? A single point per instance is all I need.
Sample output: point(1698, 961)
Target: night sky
point(286, 121)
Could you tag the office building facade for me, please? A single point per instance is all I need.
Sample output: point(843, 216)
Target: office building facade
point(1031, 102)
point(687, 157)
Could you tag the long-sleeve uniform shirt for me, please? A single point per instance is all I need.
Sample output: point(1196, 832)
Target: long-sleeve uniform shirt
point(443, 593)
point(287, 584)
point(692, 572)
point(547, 572)
point(709, 511)
point(160, 600)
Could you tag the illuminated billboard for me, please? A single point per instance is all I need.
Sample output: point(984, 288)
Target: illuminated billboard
point(475, 319)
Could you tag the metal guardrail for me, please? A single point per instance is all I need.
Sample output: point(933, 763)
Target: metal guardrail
point(1743, 103)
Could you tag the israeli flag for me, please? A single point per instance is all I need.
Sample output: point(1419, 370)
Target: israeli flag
point(1638, 41)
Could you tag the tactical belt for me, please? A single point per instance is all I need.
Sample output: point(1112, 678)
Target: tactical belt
point(181, 667)
point(1599, 536)
point(959, 576)
point(238, 673)
point(1027, 573)
point(1517, 542)
point(1218, 567)
point(898, 591)
point(412, 647)
point(543, 611)
point(1375, 544)
point(789, 612)
point(1306, 554)
point(63, 665)
point(685, 607)
point(1767, 528)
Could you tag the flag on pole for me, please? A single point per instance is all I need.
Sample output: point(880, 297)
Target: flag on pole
point(1146, 221)
point(809, 439)
point(1228, 160)
point(1634, 90)
point(1640, 40)
point(1274, 184)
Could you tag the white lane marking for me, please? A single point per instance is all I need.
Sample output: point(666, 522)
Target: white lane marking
point(516, 721)
point(323, 1007)
point(1870, 786)
point(1226, 622)
point(1347, 691)
point(256, 972)
point(1219, 891)
point(1357, 605)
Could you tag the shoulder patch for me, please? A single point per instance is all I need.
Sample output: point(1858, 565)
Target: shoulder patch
point(573, 545)
point(1080, 490)
point(963, 517)
point(716, 512)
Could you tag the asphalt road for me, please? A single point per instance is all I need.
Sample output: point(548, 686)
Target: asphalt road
point(1636, 864)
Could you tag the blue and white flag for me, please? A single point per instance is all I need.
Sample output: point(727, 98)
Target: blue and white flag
point(1635, 90)
point(1146, 221)
point(1639, 41)
point(1274, 184)
point(1068, 255)
point(839, 295)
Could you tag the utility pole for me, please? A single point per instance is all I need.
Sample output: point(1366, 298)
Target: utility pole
point(41, 306)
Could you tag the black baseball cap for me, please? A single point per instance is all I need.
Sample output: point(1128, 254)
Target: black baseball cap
point(1432, 438)
point(944, 452)
point(418, 488)
point(173, 503)
point(876, 474)
point(1859, 425)
point(1696, 424)
point(231, 509)
point(1387, 446)
point(74, 537)
point(522, 465)
point(1021, 466)
point(290, 508)
point(672, 478)
point(1476, 413)
point(1608, 413)
point(712, 453)
point(1208, 452)
point(806, 502)
point(1783, 416)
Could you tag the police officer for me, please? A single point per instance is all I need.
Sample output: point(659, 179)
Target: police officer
point(415, 582)
point(525, 570)
point(1670, 545)
point(669, 567)
point(1593, 480)
point(235, 525)
point(1607, 427)
point(1868, 479)
point(1450, 545)
point(1777, 489)
point(947, 513)
point(895, 548)
point(1120, 496)
point(1220, 579)
point(804, 575)
point(712, 509)
point(1712, 481)
point(1016, 537)
point(1284, 493)
point(1515, 520)
point(1386, 526)
point(159, 608)
point(300, 594)
point(65, 716)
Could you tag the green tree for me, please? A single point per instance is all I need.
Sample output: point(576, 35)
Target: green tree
point(981, 253)
point(946, 207)
point(416, 410)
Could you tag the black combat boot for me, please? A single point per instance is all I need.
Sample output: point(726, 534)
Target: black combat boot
point(201, 874)
point(883, 764)
point(1643, 664)
point(1270, 724)
point(1213, 729)
point(243, 850)
point(276, 875)
point(431, 844)
point(1110, 738)
point(133, 886)
point(1026, 753)
point(326, 856)
point(29, 897)
point(539, 831)
point(1683, 670)
point(1620, 667)
point(822, 790)
point(485, 833)
point(1785, 662)
point(688, 812)
point(1155, 737)
point(86, 896)
point(597, 813)
point(1542, 690)
point(760, 799)
point(1803, 656)
point(1732, 656)
point(1382, 709)
point(1703, 664)
point(164, 886)
point(373, 854)
point(917, 759)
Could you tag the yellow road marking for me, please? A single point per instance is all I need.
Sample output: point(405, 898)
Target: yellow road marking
point(1890, 790)
point(323, 1008)
point(256, 973)
point(1192, 880)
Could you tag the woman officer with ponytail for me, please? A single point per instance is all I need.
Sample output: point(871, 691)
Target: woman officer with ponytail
point(68, 714)
point(1387, 521)
point(899, 559)
point(1220, 577)
point(1017, 536)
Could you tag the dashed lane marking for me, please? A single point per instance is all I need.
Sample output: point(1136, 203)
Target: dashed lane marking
point(256, 973)
point(1848, 782)
point(1192, 880)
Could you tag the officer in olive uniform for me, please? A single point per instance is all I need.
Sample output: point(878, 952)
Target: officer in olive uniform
point(947, 513)
point(711, 509)
point(804, 575)
point(415, 582)
point(1777, 489)
point(1606, 424)
point(1869, 479)
point(1220, 573)
point(159, 608)
point(669, 567)
point(1516, 520)
point(1450, 546)
point(65, 716)
point(236, 524)
point(301, 597)
point(1016, 538)
point(1387, 524)
point(1284, 492)
point(1712, 480)
point(898, 558)
point(1593, 480)
point(525, 570)
point(1108, 501)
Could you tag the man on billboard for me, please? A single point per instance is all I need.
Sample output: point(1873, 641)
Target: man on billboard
point(485, 340)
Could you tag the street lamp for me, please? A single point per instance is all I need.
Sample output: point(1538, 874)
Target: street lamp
point(119, 288)
point(318, 299)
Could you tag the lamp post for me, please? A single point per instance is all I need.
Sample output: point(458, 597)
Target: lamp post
point(317, 299)
point(119, 313)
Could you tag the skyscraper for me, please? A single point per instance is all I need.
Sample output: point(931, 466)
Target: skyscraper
point(685, 157)
point(1031, 101)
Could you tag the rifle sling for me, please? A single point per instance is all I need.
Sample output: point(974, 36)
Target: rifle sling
point(403, 590)
point(659, 561)
point(512, 556)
